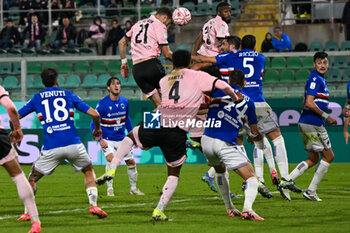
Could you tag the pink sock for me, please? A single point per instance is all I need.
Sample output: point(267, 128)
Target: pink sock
point(25, 192)
point(123, 149)
point(168, 191)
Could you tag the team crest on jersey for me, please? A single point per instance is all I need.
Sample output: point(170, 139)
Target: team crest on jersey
point(122, 105)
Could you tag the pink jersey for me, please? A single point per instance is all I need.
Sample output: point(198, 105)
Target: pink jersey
point(213, 29)
point(198, 131)
point(182, 94)
point(146, 37)
point(3, 93)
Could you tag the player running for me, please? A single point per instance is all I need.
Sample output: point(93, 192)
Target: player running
point(182, 91)
point(55, 110)
point(148, 38)
point(221, 148)
point(9, 161)
point(114, 114)
point(252, 64)
point(209, 39)
point(311, 126)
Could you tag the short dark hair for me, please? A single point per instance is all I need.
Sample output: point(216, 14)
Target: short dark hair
point(164, 11)
point(237, 77)
point(234, 40)
point(248, 42)
point(111, 79)
point(49, 77)
point(277, 27)
point(9, 20)
point(321, 55)
point(222, 5)
point(115, 20)
point(181, 58)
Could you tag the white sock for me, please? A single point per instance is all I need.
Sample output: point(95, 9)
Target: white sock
point(109, 182)
point(299, 170)
point(250, 193)
point(25, 192)
point(259, 163)
point(321, 170)
point(132, 173)
point(269, 155)
point(211, 172)
point(168, 191)
point(281, 157)
point(224, 187)
point(92, 195)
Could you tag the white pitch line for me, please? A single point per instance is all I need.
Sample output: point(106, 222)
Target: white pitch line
point(147, 203)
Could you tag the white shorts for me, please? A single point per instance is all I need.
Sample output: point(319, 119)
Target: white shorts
point(266, 119)
point(315, 138)
point(49, 159)
point(112, 147)
point(217, 151)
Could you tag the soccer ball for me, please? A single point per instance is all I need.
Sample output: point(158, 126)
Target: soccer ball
point(181, 16)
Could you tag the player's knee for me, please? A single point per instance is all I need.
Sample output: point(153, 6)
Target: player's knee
point(34, 176)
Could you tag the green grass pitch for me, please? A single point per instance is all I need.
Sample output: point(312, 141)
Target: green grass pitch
point(63, 204)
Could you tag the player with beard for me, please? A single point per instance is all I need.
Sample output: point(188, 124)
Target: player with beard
point(209, 39)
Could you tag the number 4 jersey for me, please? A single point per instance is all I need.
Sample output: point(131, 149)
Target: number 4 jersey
point(182, 93)
point(146, 37)
point(55, 110)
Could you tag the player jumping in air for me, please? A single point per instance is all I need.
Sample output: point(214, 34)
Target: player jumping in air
point(252, 64)
point(8, 160)
point(114, 114)
point(209, 39)
point(182, 91)
point(311, 126)
point(148, 38)
point(55, 110)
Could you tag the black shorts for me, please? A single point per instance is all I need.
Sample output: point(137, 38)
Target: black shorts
point(147, 74)
point(172, 141)
point(5, 144)
point(212, 70)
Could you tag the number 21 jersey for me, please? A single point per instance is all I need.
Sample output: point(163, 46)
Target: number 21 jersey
point(146, 37)
point(55, 110)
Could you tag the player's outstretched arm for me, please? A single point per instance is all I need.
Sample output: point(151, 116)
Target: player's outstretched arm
point(197, 43)
point(310, 103)
point(16, 134)
point(97, 133)
point(167, 52)
point(204, 59)
point(122, 51)
point(226, 89)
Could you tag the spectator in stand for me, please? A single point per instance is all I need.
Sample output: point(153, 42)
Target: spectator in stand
point(66, 34)
point(94, 2)
point(24, 6)
point(114, 35)
point(266, 45)
point(97, 33)
point(281, 41)
point(346, 20)
point(9, 35)
point(128, 26)
point(33, 34)
point(41, 9)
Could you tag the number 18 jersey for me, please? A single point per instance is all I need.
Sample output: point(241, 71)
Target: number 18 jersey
point(146, 37)
point(55, 110)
